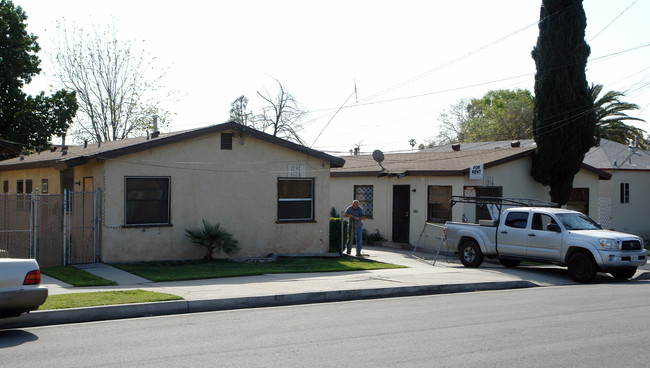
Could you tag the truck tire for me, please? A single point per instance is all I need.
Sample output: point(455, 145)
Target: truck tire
point(470, 254)
point(624, 273)
point(582, 267)
point(510, 263)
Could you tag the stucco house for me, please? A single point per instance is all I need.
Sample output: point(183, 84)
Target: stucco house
point(410, 189)
point(624, 200)
point(272, 194)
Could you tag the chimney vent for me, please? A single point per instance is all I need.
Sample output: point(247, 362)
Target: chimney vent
point(155, 133)
point(455, 147)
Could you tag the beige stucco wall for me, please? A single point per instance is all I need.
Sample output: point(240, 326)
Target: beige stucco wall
point(236, 188)
point(632, 217)
point(513, 176)
point(36, 176)
point(53, 177)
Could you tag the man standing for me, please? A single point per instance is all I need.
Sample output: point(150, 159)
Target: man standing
point(355, 215)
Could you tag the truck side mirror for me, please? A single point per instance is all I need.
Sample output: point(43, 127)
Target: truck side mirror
point(553, 227)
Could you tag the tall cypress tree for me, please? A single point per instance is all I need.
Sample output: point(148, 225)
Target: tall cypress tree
point(564, 126)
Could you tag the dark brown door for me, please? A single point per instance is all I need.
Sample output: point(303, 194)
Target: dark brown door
point(401, 209)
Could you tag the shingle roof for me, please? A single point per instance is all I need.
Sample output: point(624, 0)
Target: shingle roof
point(78, 155)
point(616, 156)
point(445, 161)
point(430, 163)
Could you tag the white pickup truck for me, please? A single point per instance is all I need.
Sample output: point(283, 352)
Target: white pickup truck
point(548, 235)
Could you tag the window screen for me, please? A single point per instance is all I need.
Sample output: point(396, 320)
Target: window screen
point(295, 199)
point(147, 201)
point(439, 206)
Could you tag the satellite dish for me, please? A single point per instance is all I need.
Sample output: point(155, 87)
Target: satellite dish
point(378, 156)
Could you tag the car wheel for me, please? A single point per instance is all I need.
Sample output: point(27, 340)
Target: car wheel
point(510, 263)
point(624, 274)
point(582, 267)
point(470, 254)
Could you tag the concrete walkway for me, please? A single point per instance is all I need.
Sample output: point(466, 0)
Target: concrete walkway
point(420, 278)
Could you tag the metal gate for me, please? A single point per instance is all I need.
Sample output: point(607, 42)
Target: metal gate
point(55, 229)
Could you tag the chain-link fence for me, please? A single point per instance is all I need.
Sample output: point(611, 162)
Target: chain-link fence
point(15, 225)
point(55, 229)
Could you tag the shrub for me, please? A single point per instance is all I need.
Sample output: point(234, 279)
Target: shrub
point(375, 237)
point(335, 233)
point(213, 237)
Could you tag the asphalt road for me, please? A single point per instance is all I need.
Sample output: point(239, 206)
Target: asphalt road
point(602, 325)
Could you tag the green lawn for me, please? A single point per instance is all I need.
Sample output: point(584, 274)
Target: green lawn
point(188, 270)
point(77, 300)
point(75, 277)
point(193, 270)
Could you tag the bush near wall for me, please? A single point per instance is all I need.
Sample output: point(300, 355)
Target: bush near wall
point(335, 233)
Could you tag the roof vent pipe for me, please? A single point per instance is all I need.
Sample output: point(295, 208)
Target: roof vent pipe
point(64, 148)
point(85, 143)
point(515, 144)
point(155, 133)
point(455, 147)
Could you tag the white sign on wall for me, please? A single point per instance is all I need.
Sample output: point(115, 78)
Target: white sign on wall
point(297, 171)
point(476, 172)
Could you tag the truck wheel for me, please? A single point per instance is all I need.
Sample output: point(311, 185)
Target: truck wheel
point(582, 267)
point(510, 263)
point(624, 274)
point(470, 254)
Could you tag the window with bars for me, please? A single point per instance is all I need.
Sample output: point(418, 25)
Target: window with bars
point(364, 194)
point(295, 199)
point(439, 206)
point(147, 201)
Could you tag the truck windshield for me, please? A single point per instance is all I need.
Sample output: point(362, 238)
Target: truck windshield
point(577, 221)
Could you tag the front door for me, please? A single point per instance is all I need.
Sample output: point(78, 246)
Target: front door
point(401, 209)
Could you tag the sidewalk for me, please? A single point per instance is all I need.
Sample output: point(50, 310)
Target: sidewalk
point(420, 278)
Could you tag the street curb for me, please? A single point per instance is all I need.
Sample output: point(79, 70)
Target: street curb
point(111, 312)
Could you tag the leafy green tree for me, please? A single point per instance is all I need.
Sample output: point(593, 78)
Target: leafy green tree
point(564, 126)
point(213, 237)
point(238, 112)
point(611, 117)
point(499, 115)
point(28, 120)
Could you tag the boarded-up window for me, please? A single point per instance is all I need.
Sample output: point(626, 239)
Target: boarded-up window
point(439, 206)
point(147, 200)
point(364, 194)
point(295, 199)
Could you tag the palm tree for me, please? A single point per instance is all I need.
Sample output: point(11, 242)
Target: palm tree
point(212, 237)
point(611, 117)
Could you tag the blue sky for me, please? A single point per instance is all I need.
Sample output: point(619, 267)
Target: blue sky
point(410, 60)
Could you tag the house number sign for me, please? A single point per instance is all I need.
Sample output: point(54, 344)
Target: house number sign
point(297, 171)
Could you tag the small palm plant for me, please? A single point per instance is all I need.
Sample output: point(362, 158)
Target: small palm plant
point(213, 236)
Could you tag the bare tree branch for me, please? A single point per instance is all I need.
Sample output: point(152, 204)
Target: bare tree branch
point(281, 115)
point(113, 80)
